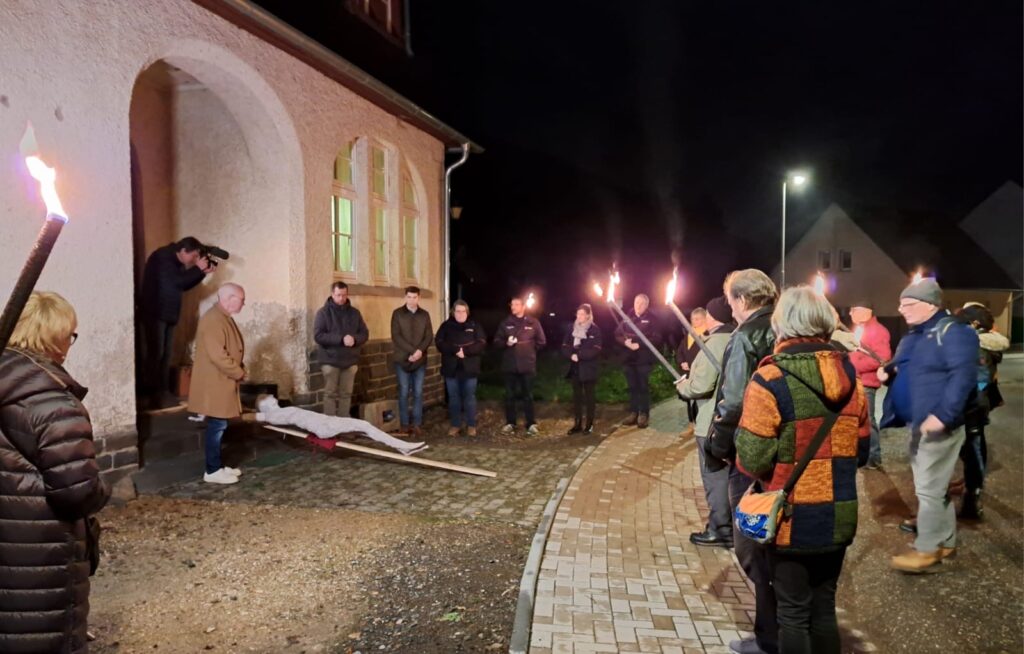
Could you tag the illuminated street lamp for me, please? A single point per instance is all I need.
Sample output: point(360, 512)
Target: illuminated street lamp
point(798, 180)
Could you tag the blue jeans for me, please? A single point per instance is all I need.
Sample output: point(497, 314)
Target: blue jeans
point(215, 428)
point(461, 401)
point(404, 378)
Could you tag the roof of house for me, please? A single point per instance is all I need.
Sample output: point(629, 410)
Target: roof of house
point(268, 27)
point(933, 242)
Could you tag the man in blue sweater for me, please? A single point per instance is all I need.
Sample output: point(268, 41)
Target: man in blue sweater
point(932, 381)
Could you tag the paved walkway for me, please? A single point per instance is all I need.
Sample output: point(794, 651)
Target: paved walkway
point(619, 573)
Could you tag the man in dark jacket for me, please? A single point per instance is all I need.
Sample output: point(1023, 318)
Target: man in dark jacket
point(461, 341)
point(170, 271)
point(639, 361)
point(520, 336)
point(751, 294)
point(411, 334)
point(932, 383)
point(339, 332)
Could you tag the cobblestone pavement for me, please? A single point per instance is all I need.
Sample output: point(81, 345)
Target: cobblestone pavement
point(296, 475)
point(619, 573)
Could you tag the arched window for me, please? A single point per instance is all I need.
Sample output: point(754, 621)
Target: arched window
point(380, 185)
point(343, 200)
point(410, 227)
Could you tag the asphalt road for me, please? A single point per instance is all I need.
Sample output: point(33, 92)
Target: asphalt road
point(976, 602)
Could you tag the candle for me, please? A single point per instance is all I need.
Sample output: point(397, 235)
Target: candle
point(56, 217)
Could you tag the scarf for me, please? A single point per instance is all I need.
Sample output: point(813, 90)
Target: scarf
point(579, 331)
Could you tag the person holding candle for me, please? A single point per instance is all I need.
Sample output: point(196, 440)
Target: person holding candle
point(170, 271)
point(217, 371)
point(49, 486)
point(461, 342)
point(639, 361)
point(520, 336)
point(874, 347)
point(698, 388)
point(581, 345)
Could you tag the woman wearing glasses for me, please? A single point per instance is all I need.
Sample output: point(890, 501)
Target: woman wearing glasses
point(49, 485)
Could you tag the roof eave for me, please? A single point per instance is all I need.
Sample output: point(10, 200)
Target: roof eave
point(286, 38)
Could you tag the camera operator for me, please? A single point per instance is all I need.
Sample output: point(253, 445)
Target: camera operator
point(170, 271)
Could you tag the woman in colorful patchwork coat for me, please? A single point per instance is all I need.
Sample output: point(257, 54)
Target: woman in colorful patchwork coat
point(788, 397)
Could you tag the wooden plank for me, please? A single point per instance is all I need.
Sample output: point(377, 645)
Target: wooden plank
point(429, 463)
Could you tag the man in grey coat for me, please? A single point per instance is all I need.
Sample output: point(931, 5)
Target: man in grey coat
point(699, 386)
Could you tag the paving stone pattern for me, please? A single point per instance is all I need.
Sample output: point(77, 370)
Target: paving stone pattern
point(619, 573)
point(299, 476)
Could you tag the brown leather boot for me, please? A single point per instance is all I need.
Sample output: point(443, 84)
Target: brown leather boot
point(642, 421)
point(916, 563)
point(631, 420)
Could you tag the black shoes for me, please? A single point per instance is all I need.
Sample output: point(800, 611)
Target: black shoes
point(707, 539)
point(576, 429)
point(631, 420)
point(589, 430)
point(642, 421)
point(971, 508)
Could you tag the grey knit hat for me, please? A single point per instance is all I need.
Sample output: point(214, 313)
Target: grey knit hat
point(926, 290)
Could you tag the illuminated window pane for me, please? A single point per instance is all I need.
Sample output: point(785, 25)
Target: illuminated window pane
point(341, 233)
point(409, 224)
point(380, 247)
point(408, 194)
point(343, 166)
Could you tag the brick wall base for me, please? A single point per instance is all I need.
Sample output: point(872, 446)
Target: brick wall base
point(376, 378)
point(117, 454)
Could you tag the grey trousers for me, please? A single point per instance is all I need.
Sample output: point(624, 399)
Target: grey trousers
point(716, 492)
point(932, 460)
point(338, 390)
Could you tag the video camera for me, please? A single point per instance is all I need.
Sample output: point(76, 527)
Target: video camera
point(213, 254)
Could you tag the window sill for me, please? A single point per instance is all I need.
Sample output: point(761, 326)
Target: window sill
point(386, 291)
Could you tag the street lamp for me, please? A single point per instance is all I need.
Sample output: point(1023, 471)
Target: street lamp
point(798, 180)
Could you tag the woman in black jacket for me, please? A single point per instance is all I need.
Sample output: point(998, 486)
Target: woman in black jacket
point(461, 341)
point(581, 346)
point(49, 485)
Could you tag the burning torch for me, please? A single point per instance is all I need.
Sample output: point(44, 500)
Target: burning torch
point(610, 299)
point(670, 294)
point(56, 217)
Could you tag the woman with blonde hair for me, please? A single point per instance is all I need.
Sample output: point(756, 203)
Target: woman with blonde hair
point(805, 429)
point(49, 485)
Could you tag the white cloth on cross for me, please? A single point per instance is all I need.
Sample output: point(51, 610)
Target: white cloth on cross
point(268, 410)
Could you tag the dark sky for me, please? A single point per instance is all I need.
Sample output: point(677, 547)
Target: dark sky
point(622, 131)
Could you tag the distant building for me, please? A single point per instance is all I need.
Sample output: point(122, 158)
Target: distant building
point(872, 253)
point(997, 225)
point(212, 118)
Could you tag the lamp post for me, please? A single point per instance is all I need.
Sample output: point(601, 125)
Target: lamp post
point(798, 179)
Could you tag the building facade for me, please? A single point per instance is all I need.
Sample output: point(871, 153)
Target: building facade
point(168, 118)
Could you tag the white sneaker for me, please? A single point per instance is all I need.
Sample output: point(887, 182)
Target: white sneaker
point(235, 471)
point(508, 429)
point(222, 476)
point(533, 430)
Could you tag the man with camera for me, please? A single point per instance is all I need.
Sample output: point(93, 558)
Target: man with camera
point(170, 271)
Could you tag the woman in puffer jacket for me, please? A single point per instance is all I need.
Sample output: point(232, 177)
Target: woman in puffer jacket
point(974, 452)
point(49, 484)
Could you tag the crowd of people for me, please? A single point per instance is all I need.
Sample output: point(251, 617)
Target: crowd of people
point(780, 397)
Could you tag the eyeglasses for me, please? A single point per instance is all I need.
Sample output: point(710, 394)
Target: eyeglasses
point(74, 337)
point(908, 305)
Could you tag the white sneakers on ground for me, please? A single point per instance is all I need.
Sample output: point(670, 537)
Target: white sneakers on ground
point(222, 476)
point(235, 471)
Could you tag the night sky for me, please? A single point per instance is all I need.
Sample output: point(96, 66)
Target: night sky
point(628, 131)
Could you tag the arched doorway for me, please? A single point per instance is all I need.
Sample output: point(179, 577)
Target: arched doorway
point(214, 156)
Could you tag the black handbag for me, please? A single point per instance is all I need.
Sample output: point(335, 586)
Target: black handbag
point(92, 543)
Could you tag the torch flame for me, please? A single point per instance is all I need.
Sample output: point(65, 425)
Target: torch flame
point(613, 281)
point(918, 277)
point(670, 289)
point(598, 291)
point(45, 175)
point(819, 284)
point(531, 301)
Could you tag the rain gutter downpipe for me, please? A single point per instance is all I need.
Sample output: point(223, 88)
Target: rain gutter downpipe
point(448, 226)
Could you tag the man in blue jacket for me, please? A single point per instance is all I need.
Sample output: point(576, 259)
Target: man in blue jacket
point(932, 380)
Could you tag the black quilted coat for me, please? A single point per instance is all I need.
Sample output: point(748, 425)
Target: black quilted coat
point(49, 483)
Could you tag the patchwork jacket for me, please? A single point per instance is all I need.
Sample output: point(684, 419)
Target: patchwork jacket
point(783, 408)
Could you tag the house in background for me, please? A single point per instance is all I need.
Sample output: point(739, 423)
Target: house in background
point(168, 118)
point(872, 254)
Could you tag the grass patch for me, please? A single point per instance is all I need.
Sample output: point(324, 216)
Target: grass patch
point(552, 386)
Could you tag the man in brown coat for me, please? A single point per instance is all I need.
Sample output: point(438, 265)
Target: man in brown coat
point(216, 373)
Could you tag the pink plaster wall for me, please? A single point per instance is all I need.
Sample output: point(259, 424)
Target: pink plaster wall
point(71, 68)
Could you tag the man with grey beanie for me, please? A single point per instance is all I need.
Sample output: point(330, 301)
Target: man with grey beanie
point(932, 380)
